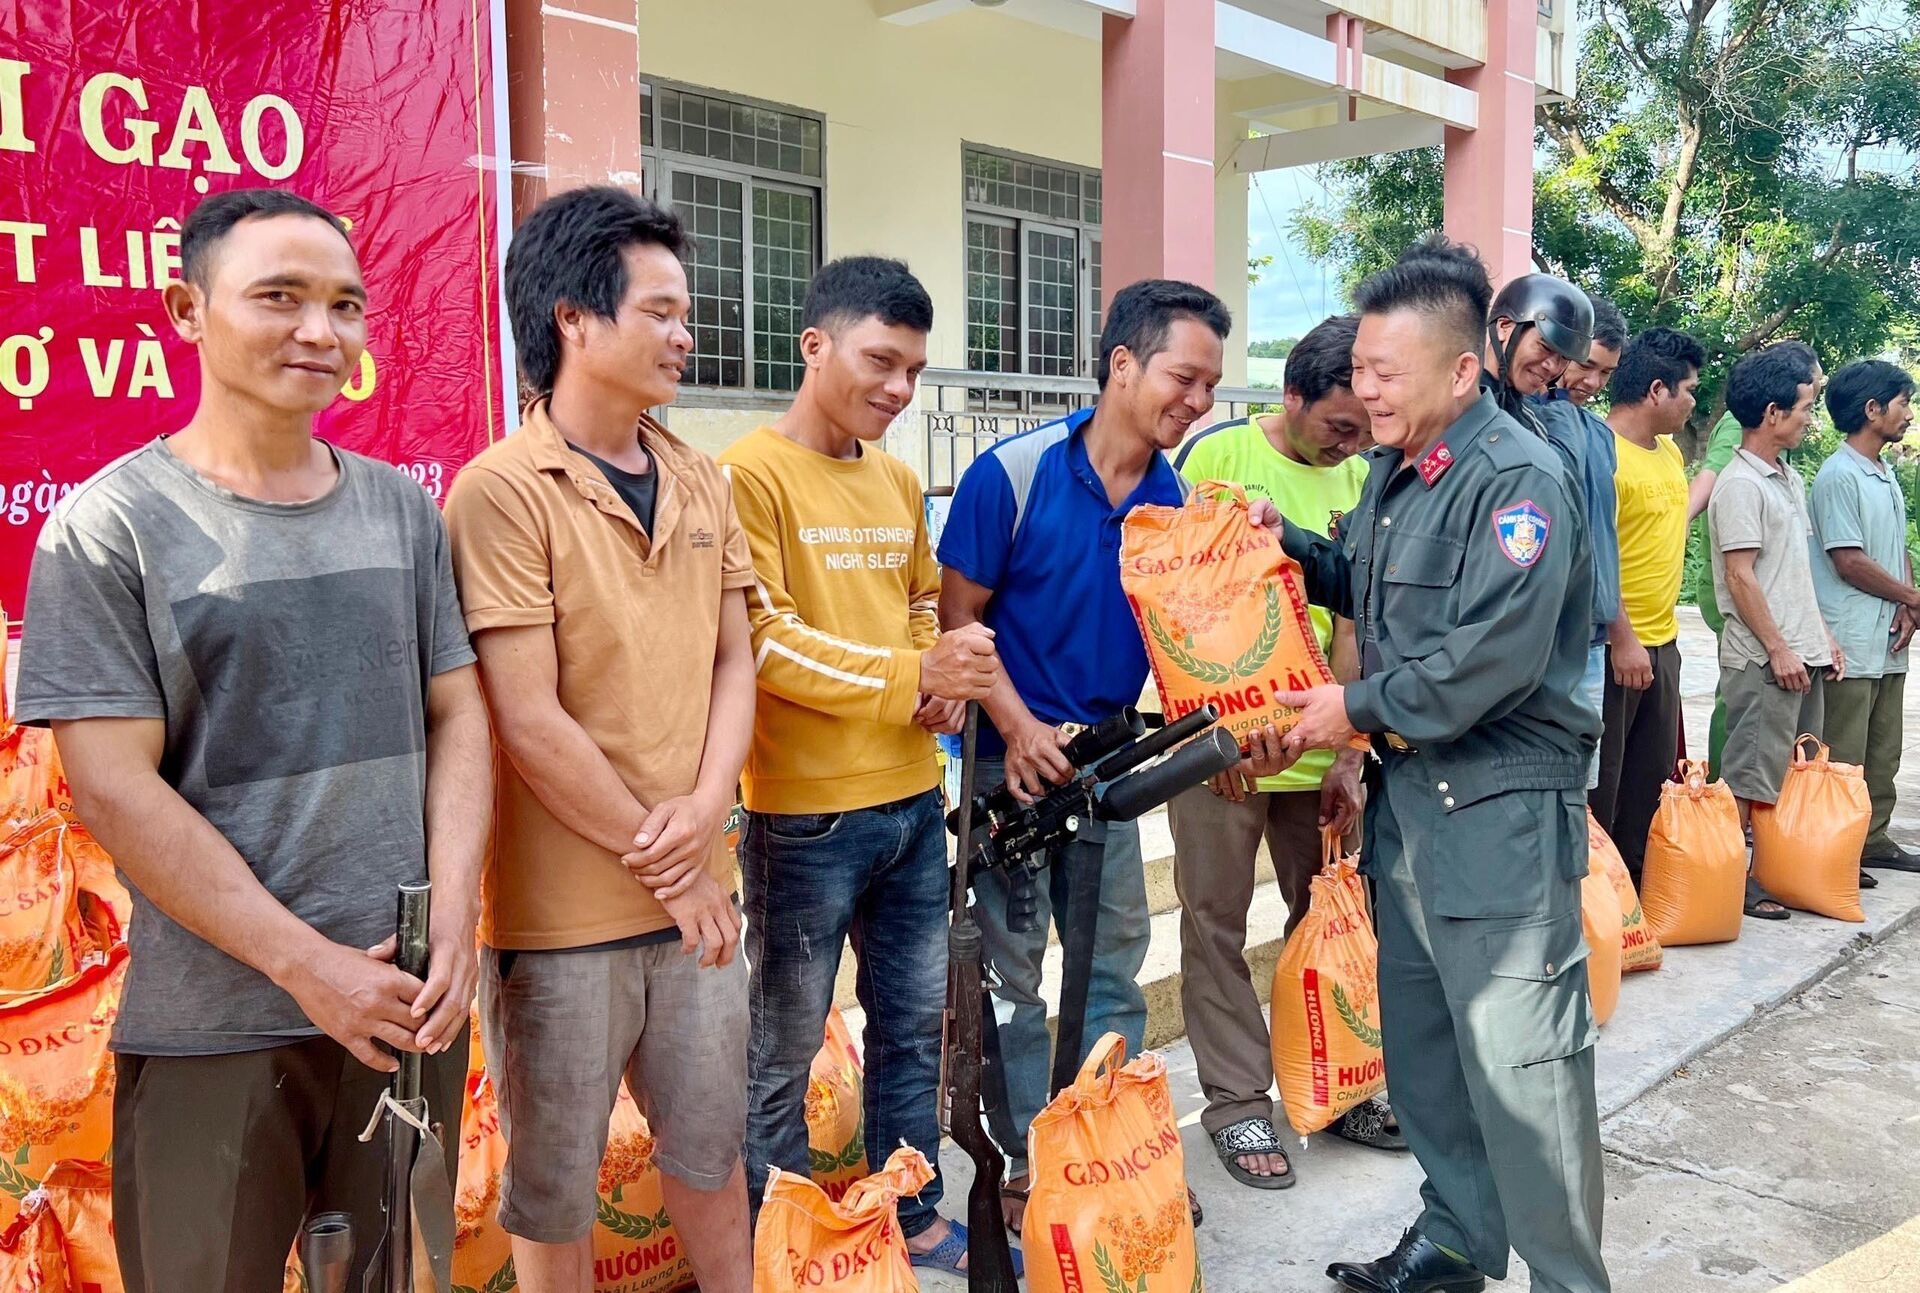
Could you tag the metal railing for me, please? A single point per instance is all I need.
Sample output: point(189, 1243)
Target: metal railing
point(963, 412)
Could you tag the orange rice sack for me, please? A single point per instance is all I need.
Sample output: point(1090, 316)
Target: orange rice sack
point(1221, 609)
point(1108, 1207)
point(1639, 949)
point(41, 935)
point(1807, 845)
point(807, 1241)
point(1326, 1031)
point(1694, 880)
point(56, 1077)
point(1600, 922)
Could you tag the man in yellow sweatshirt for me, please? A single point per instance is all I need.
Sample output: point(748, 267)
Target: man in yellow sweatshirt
point(844, 835)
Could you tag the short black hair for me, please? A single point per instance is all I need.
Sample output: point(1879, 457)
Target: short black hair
point(1323, 359)
point(569, 250)
point(1864, 380)
point(1438, 277)
point(1773, 375)
point(1657, 355)
point(1142, 314)
point(854, 288)
point(215, 217)
point(1609, 325)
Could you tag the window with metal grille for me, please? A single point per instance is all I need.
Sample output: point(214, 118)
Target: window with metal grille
point(1033, 277)
point(746, 178)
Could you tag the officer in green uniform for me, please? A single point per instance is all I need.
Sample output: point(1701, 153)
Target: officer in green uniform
point(1465, 569)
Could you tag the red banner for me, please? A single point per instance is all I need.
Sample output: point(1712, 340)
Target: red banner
point(115, 118)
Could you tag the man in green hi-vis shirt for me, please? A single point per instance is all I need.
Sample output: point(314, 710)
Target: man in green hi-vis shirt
point(1721, 447)
point(1306, 458)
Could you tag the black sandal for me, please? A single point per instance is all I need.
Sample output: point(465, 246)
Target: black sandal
point(1018, 1193)
point(1371, 1124)
point(1758, 899)
point(1251, 1136)
point(1868, 880)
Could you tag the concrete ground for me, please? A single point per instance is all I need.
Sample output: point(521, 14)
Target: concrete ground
point(1760, 1102)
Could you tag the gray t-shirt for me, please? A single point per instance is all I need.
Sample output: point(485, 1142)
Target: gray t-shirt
point(288, 647)
point(1759, 506)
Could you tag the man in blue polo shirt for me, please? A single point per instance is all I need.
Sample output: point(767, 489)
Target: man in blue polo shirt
point(1032, 550)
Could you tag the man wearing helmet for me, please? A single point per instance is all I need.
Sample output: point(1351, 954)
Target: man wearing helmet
point(1537, 328)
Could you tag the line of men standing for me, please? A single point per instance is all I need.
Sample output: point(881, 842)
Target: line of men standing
point(238, 628)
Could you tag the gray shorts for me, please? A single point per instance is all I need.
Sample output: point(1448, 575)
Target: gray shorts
point(562, 1028)
point(1763, 719)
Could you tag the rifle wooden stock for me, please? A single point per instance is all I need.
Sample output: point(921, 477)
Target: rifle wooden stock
point(989, 1259)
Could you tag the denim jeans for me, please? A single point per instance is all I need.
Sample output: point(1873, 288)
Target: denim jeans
point(1593, 690)
point(1115, 1002)
point(877, 876)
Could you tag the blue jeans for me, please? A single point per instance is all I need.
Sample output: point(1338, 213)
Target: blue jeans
point(879, 877)
point(1115, 1002)
point(1593, 690)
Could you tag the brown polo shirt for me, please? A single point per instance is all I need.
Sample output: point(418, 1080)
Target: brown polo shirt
point(540, 538)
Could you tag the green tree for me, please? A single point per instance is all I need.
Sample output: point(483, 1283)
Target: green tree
point(1278, 349)
point(1743, 169)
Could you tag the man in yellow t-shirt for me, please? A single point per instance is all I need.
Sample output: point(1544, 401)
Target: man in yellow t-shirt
point(844, 833)
point(1652, 399)
point(1305, 458)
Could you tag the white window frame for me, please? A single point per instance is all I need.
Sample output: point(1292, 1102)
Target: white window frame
point(658, 167)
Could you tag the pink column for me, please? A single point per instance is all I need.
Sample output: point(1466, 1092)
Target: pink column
point(1157, 144)
point(1489, 172)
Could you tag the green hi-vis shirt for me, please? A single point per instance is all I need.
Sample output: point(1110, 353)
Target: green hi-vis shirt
point(1311, 497)
point(1721, 446)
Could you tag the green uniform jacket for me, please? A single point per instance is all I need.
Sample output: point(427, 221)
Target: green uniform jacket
point(1469, 581)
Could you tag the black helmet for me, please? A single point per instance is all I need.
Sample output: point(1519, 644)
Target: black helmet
point(1560, 310)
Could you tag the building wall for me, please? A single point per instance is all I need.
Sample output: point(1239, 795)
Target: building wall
point(899, 103)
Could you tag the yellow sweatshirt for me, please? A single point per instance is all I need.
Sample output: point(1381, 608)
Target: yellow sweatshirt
point(843, 605)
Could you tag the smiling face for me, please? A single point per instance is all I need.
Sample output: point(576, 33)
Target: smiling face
point(1328, 431)
point(1412, 377)
point(1165, 396)
point(281, 319)
point(865, 371)
point(1584, 381)
point(640, 354)
point(1534, 366)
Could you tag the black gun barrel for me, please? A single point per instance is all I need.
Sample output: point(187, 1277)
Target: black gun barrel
point(1095, 743)
point(1159, 743)
point(1186, 768)
point(326, 1252)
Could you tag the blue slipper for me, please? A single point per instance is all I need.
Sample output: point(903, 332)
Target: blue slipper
point(951, 1251)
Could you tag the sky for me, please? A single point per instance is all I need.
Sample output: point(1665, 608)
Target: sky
point(1294, 292)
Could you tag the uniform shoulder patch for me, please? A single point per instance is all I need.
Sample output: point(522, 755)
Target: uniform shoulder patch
point(1521, 531)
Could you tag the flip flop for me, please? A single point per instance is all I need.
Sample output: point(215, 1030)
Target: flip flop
point(1018, 1193)
point(1372, 1124)
point(1252, 1136)
point(1868, 880)
point(1756, 896)
point(951, 1251)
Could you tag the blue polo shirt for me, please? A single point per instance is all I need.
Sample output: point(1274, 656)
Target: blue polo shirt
point(1031, 521)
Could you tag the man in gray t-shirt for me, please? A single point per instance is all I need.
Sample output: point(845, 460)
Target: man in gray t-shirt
point(1775, 652)
point(250, 649)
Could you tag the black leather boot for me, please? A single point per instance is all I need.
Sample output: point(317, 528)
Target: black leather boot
point(1416, 1265)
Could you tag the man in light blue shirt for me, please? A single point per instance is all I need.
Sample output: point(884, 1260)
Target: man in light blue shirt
point(1864, 578)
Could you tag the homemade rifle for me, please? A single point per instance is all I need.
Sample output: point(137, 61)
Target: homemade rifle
point(998, 832)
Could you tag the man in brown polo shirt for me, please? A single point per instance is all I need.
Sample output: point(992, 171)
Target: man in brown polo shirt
point(601, 566)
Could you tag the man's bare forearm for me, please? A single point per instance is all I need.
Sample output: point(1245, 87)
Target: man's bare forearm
point(176, 858)
point(1870, 577)
point(459, 790)
point(1751, 604)
point(730, 707)
point(570, 776)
